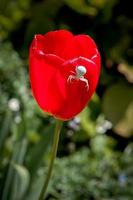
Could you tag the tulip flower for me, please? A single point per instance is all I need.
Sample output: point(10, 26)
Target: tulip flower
point(64, 72)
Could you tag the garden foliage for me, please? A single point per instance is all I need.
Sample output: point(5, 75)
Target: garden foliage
point(95, 151)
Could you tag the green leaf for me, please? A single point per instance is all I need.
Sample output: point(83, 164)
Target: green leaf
point(38, 151)
point(11, 13)
point(87, 124)
point(23, 179)
point(117, 106)
point(82, 7)
point(5, 127)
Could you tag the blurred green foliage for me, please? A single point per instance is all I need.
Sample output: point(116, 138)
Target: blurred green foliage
point(95, 152)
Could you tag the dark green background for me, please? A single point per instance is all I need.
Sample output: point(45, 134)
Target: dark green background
point(95, 151)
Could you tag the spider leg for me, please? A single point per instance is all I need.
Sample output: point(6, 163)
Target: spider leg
point(72, 72)
point(86, 82)
point(70, 78)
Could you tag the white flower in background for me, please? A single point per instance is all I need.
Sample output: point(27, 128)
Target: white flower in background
point(100, 129)
point(107, 124)
point(103, 126)
point(14, 104)
point(17, 119)
point(77, 120)
point(74, 124)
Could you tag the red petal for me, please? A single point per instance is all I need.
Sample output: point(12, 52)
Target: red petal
point(63, 44)
point(85, 45)
point(37, 43)
point(77, 95)
point(43, 81)
point(87, 48)
point(60, 43)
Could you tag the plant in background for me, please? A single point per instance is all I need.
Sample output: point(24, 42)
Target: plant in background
point(26, 132)
point(64, 72)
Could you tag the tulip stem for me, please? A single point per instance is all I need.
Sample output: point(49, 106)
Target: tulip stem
point(53, 156)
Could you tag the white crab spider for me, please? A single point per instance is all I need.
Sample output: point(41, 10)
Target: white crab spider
point(79, 75)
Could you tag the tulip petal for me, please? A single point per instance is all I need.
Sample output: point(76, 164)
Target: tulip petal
point(87, 48)
point(77, 95)
point(43, 81)
point(60, 43)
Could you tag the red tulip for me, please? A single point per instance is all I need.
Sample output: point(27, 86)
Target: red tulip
point(64, 72)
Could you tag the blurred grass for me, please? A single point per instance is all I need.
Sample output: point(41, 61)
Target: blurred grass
point(95, 151)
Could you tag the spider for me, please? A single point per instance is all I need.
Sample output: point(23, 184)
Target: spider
point(79, 75)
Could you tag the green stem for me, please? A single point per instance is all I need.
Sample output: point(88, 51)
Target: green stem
point(53, 155)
